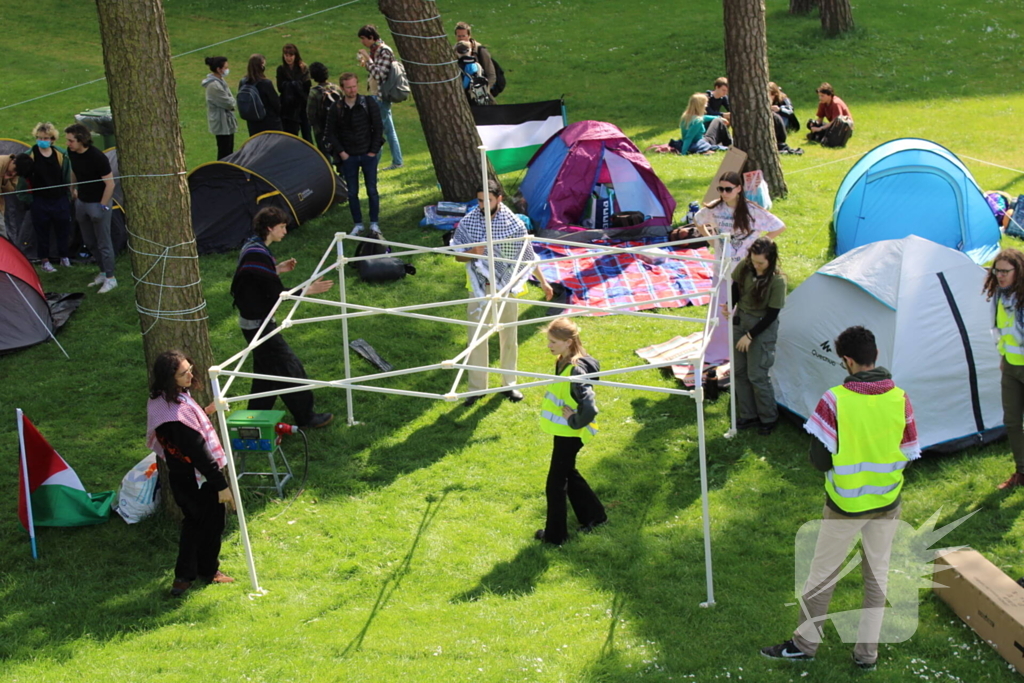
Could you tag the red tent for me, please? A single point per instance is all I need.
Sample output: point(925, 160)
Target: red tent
point(25, 317)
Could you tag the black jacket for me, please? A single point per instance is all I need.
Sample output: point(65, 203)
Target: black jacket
point(355, 130)
point(271, 103)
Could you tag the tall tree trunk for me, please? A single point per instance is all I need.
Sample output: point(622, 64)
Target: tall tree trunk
point(440, 99)
point(802, 6)
point(746, 64)
point(165, 266)
point(836, 16)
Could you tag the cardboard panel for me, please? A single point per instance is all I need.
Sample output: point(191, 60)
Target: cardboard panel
point(733, 160)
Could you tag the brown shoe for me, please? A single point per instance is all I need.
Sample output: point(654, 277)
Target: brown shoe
point(1016, 479)
point(219, 577)
point(179, 587)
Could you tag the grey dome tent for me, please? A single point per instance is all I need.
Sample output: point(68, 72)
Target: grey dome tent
point(24, 314)
point(271, 168)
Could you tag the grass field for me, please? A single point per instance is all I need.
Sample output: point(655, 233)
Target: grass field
point(409, 555)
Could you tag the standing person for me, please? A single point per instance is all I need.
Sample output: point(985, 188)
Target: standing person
point(179, 430)
point(568, 413)
point(220, 106)
point(830, 108)
point(255, 288)
point(1004, 286)
point(257, 76)
point(93, 191)
point(322, 97)
point(718, 97)
point(49, 195)
point(505, 225)
point(703, 133)
point(464, 33)
point(354, 132)
point(12, 168)
point(293, 82)
point(759, 293)
point(733, 215)
point(378, 65)
point(864, 436)
point(473, 81)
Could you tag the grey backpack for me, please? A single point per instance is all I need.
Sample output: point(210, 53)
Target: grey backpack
point(395, 87)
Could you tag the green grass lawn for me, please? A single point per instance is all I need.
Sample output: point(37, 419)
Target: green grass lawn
point(409, 554)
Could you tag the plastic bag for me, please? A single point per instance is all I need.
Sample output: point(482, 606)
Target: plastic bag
point(755, 189)
point(139, 496)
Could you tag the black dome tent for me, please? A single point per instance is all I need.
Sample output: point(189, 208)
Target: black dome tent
point(271, 168)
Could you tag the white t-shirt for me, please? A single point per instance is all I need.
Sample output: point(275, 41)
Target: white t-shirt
point(721, 217)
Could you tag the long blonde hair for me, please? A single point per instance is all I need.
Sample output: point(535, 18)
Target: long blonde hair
point(698, 106)
point(564, 329)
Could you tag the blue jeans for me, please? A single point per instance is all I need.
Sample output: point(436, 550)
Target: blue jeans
point(350, 170)
point(389, 131)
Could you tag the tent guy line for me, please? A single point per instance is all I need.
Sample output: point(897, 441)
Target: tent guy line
point(183, 54)
point(102, 180)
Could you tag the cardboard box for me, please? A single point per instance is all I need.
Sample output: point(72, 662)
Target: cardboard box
point(988, 601)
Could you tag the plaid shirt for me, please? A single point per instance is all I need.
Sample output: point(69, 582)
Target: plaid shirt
point(379, 65)
point(504, 225)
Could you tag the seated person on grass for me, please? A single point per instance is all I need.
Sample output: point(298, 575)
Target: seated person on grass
point(702, 132)
point(830, 108)
point(718, 99)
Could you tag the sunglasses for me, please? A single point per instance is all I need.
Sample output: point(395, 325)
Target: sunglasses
point(725, 190)
point(1002, 271)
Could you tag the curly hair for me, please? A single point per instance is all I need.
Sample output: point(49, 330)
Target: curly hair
point(163, 381)
point(991, 286)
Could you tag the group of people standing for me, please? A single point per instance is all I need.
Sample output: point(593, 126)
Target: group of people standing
point(60, 186)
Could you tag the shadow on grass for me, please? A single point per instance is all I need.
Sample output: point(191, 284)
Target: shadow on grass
point(513, 578)
point(392, 582)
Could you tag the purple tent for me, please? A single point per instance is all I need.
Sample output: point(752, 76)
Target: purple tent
point(589, 168)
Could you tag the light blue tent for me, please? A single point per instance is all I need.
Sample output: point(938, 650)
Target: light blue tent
point(914, 187)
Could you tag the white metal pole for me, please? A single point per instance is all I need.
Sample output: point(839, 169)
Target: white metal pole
point(28, 485)
point(243, 529)
point(705, 511)
point(342, 296)
point(727, 282)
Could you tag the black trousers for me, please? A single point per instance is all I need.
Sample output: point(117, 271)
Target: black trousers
point(201, 529)
point(225, 145)
point(275, 357)
point(780, 129)
point(564, 479)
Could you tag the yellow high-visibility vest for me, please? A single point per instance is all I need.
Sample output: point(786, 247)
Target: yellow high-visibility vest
point(1010, 344)
point(867, 472)
point(551, 421)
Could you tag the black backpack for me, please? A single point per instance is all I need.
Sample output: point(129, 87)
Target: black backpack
point(839, 133)
point(499, 78)
point(385, 269)
point(250, 104)
point(329, 96)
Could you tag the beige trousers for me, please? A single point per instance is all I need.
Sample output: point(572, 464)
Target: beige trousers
point(837, 534)
point(509, 344)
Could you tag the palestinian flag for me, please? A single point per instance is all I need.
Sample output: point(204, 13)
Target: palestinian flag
point(56, 493)
point(513, 132)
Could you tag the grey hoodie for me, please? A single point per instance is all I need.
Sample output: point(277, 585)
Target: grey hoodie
point(220, 106)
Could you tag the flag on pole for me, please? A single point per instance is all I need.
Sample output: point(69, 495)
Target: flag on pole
point(512, 133)
point(50, 492)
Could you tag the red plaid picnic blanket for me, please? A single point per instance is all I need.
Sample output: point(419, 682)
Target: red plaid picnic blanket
point(625, 278)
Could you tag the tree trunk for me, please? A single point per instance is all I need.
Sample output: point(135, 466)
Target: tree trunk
point(746, 65)
point(440, 99)
point(140, 82)
point(836, 17)
point(802, 6)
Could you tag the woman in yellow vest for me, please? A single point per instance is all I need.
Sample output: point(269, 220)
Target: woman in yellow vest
point(1005, 284)
point(568, 413)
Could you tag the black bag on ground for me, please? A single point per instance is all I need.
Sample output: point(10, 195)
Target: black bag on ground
point(626, 219)
point(384, 269)
point(839, 132)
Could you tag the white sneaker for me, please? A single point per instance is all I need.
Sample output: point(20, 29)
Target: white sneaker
point(48, 267)
point(375, 231)
point(357, 230)
point(110, 283)
point(66, 262)
point(98, 280)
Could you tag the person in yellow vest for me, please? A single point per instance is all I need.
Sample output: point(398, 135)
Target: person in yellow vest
point(568, 413)
point(864, 436)
point(1005, 287)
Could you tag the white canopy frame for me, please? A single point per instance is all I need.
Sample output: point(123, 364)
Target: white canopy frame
point(222, 376)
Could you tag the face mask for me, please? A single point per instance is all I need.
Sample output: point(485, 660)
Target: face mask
point(44, 144)
point(227, 71)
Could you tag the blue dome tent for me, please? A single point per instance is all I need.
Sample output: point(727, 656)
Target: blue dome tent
point(914, 187)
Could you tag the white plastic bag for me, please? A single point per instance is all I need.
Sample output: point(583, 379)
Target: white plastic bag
point(755, 189)
point(139, 496)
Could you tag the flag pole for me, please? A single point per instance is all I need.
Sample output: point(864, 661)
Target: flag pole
point(28, 489)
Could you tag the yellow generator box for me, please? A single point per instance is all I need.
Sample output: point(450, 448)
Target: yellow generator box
point(987, 600)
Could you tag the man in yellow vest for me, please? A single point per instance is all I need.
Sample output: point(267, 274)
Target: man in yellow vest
point(865, 435)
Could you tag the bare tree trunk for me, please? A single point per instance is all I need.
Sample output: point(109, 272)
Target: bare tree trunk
point(165, 266)
point(802, 6)
point(440, 100)
point(746, 64)
point(836, 16)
